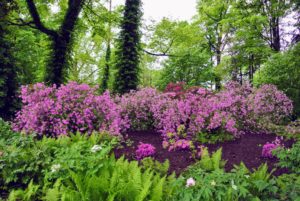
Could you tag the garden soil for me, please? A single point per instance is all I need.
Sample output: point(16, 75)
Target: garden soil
point(246, 149)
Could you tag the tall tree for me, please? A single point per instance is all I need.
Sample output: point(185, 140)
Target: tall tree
point(105, 76)
point(61, 39)
point(213, 15)
point(8, 71)
point(248, 48)
point(127, 54)
point(273, 11)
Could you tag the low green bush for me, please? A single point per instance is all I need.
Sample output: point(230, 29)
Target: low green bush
point(26, 159)
point(289, 158)
point(207, 180)
point(113, 180)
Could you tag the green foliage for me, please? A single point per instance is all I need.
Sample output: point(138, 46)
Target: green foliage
point(189, 56)
point(8, 68)
point(209, 162)
point(289, 187)
point(156, 166)
point(283, 70)
point(289, 158)
point(24, 158)
point(26, 195)
point(115, 180)
point(239, 184)
point(213, 138)
point(128, 47)
point(6, 133)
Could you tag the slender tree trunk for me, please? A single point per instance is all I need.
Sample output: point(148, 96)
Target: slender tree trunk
point(241, 75)
point(251, 68)
point(217, 78)
point(275, 31)
point(234, 73)
point(106, 68)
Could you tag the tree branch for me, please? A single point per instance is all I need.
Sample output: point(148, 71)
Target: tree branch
point(37, 20)
point(159, 54)
point(20, 22)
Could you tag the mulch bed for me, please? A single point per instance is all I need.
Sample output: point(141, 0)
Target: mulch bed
point(246, 149)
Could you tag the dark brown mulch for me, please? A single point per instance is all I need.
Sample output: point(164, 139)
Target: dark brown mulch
point(247, 148)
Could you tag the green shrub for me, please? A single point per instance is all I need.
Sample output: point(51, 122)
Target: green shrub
point(156, 166)
point(114, 180)
point(28, 159)
point(289, 158)
point(283, 70)
point(6, 133)
point(209, 162)
point(212, 183)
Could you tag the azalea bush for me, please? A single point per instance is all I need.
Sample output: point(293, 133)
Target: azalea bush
point(180, 115)
point(269, 147)
point(144, 150)
point(137, 108)
point(268, 105)
point(67, 109)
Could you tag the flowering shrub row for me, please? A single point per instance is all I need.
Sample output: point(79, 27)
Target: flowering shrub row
point(178, 116)
point(70, 108)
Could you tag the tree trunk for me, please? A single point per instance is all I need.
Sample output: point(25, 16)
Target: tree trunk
point(217, 78)
point(275, 31)
point(105, 77)
point(56, 69)
point(106, 68)
point(251, 68)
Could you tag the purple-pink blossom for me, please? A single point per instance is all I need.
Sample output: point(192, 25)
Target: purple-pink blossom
point(68, 109)
point(144, 150)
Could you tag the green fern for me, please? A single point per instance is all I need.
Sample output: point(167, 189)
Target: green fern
point(213, 162)
point(26, 195)
point(157, 191)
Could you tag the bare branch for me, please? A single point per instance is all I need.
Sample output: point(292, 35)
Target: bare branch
point(159, 54)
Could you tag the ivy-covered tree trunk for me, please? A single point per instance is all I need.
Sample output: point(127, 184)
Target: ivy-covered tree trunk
point(61, 40)
point(105, 78)
point(8, 70)
point(127, 53)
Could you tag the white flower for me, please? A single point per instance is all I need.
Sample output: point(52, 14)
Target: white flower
point(96, 148)
point(213, 183)
point(55, 167)
point(233, 185)
point(190, 182)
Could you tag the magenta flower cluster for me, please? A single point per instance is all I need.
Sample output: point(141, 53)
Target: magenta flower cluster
point(137, 108)
point(68, 109)
point(267, 150)
point(144, 150)
point(234, 110)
